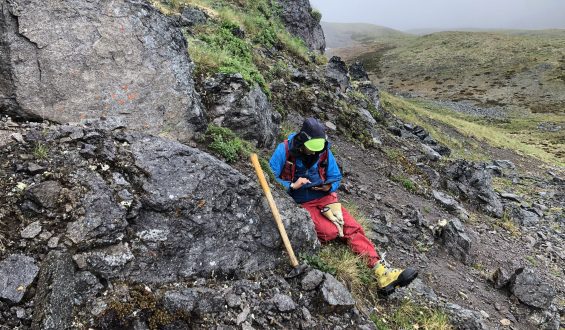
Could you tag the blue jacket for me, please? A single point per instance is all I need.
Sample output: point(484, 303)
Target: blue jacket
point(303, 195)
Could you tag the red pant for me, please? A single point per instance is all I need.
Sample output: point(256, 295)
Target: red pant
point(352, 231)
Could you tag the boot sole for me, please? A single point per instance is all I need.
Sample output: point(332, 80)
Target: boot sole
point(405, 278)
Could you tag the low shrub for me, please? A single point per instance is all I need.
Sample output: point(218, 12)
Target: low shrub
point(226, 144)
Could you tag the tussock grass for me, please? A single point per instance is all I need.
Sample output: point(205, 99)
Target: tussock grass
point(497, 136)
point(508, 224)
point(231, 40)
point(226, 144)
point(410, 315)
point(337, 259)
point(349, 268)
point(40, 151)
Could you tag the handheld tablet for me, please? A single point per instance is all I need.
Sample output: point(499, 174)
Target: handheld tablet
point(318, 183)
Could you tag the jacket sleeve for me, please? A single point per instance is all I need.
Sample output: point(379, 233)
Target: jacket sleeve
point(333, 172)
point(277, 161)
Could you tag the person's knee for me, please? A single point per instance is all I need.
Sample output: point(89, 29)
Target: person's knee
point(327, 234)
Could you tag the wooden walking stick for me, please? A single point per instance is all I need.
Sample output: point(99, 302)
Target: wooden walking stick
point(274, 209)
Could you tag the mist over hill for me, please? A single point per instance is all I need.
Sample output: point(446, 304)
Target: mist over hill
point(347, 34)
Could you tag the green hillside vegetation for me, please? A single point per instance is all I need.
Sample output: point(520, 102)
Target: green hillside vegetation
point(522, 71)
point(517, 75)
point(472, 133)
point(218, 45)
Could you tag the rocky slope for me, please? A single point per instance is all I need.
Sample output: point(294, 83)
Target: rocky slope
point(104, 224)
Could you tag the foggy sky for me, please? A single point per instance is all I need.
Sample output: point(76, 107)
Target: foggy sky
point(446, 14)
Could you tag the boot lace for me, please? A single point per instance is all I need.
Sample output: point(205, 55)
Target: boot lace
point(385, 263)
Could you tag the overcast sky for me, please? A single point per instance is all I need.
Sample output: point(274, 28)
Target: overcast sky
point(446, 14)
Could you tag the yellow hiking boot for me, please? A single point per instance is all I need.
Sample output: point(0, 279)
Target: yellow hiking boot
point(388, 279)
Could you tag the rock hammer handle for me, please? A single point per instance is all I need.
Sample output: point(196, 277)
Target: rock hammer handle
point(274, 209)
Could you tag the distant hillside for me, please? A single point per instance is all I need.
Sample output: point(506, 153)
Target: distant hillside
point(515, 69)
point(340, 35)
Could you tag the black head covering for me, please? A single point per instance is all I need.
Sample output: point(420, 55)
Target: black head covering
point(311, 129)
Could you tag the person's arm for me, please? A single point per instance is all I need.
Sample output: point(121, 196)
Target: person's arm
point(333, 173)
point(277, 161)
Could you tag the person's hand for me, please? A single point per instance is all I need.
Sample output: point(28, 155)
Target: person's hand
point(325, 187)
point(299, 183)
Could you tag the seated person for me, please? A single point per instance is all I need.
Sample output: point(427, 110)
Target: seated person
point(306, 167)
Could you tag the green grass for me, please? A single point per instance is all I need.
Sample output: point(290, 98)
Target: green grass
point(508, 224)
point(337, 259)
point(279, 70)
point(219, 50)
point(226, 144)
point(532, 260)
point(410, 315)
point(520, 70)
point(407, 183)
point(349, 267)
point(505, 135)
point(217, 46)
point(317, 15)
point(40, 151)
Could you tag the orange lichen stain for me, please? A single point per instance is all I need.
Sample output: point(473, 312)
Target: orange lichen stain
point(113, 96)
point(121, 102)
point(59, 108)
point(125, 87)
point(132, 96)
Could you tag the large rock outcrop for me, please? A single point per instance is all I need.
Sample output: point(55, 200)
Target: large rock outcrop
point(245, 109)
point(136, 230)
point(66, 61)
point(298, 18)
point(337, 74)
point(472, 182)
point(152, 210)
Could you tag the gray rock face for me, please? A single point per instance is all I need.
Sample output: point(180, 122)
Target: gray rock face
point(501, 278)
point(523, 217)
point(53, 308)
point(450, 204)
point(180, 301)
point(205, 216)
point(191, 16)
point(107, 262)
point(456, 241)
point(297, 17)
point(104, 220)
point(120, 59)
point(17, 272)
point(337, 73)
point(312, 279)
point(372, 93)
point(284, 303)
point(244, 109)
point(465, 319)
point(531, 290)
point(473, 182)
point(45, 194)
point(357, 71)
point(335, 295)
point(32, 230)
